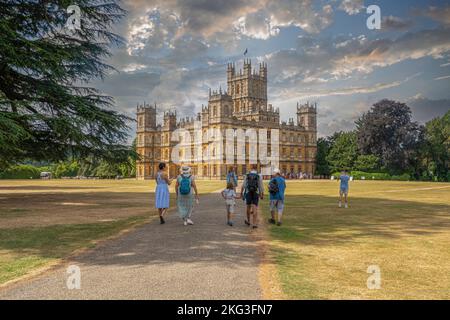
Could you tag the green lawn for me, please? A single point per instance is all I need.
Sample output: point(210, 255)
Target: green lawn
point(323, 252)
point(320, 252)
point(25, 249)
point(43, 221)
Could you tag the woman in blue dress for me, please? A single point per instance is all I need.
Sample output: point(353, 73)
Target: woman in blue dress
point(162, 192)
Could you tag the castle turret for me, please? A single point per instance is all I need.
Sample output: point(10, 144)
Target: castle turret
point(170, 120)
point(307, 116)
point(146, 117)
point(247, 67)
point(263, 70)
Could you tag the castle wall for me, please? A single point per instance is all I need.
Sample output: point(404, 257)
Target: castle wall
point(242, 106)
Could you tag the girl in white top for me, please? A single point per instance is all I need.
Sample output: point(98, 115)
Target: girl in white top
point(230, 197)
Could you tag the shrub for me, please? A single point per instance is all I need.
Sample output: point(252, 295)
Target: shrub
point(22, 171)
point(403, 177)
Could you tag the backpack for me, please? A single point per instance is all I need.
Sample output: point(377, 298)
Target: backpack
point(185, 185)
point(231, 177)
point(273, 186)
point(252, 182)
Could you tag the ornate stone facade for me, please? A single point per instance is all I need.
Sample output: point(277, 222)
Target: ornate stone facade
point(243, 106)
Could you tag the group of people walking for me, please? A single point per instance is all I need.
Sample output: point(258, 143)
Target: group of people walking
point(251, 191)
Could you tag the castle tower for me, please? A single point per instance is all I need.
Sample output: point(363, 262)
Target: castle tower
point(146, 141)
point(307, 116)
point(220, 106)
point(146, 117)
point(248, 90)
point(170, 121)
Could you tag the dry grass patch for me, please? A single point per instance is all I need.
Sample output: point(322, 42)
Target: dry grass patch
point(323, 252)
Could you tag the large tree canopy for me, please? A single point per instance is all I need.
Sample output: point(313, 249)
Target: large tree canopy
point(343, 152)
point(47, 109)
point(387, 132)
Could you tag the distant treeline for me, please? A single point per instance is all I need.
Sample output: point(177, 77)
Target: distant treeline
point(89, 167)
point(387, 144)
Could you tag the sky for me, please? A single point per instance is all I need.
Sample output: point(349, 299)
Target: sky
point(320, 51)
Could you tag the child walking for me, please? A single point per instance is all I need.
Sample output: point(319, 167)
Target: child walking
point(230, 196)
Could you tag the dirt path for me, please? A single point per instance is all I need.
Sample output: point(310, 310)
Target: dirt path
point(208, 260)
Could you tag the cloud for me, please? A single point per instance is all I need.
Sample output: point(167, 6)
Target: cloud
point(256, 25)
point(442, 78)
point(385, 52)
point(155, 23)
point(424, 109)
point(392, 23)
point(439, 14)
point(321, 60)
point(351, 7)
point(302, 95)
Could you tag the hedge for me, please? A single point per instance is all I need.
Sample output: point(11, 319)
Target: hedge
point(23, 171)
point(358, 175)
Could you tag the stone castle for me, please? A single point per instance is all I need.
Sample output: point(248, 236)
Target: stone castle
point(242, 106)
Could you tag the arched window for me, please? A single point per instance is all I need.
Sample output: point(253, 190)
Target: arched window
point(238, 89)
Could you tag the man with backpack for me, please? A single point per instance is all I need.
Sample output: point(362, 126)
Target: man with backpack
point(254, 190)
point(277, 186)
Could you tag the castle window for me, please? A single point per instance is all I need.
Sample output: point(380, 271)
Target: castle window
point(140, 121)
point(238, 89)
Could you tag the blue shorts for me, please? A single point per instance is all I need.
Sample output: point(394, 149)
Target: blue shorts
point(343, 190)
point(252, 198)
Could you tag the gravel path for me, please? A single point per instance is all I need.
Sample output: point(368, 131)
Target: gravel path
point(208, 260)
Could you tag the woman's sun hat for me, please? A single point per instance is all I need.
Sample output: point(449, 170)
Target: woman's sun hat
point(185, 170)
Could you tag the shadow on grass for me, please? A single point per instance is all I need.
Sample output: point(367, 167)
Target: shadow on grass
point(317, 220)
point(209, 240)
point(309, 220)
point(49, 188)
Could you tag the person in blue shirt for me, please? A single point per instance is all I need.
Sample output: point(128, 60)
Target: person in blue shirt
point(232, 178)
point(277, 187)
point(343, 188)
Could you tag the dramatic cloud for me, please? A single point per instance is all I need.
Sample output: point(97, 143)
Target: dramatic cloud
point(385, 52)
point(352, 6)
point(177, 49)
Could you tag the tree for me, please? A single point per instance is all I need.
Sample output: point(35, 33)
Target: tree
point(367, 162)
point(323, 148)
point(343, 152)
point(47, 109)
point(437, 147)
point(387, 132)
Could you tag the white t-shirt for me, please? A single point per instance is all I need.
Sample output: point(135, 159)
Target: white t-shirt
point(230, 196)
